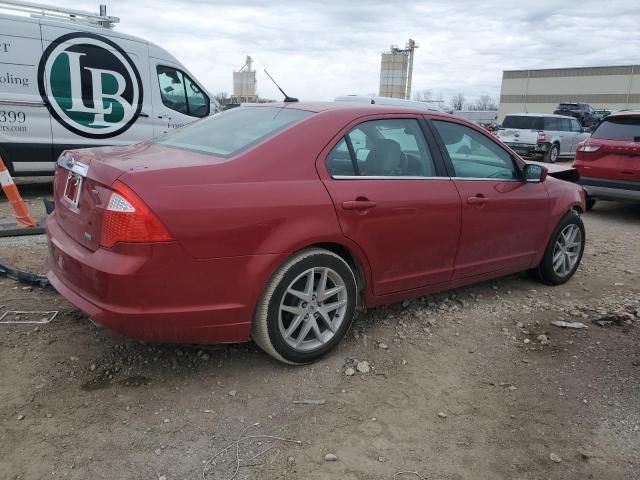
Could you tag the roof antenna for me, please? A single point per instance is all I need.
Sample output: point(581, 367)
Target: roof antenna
point(287, 98)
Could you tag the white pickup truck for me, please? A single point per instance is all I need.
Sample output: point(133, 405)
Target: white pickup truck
point(542, 136)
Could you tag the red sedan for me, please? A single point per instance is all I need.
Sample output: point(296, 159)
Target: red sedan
point(279, 222)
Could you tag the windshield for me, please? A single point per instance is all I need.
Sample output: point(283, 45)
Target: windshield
point(569, 106)
point(228, 133)
point(523, 123)
point(620, 128)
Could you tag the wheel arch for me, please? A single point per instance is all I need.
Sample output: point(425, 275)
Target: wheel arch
point(354, 262)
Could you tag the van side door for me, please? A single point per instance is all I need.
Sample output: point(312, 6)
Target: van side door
point(177, 99)
point(25, 127)
point(96, 87)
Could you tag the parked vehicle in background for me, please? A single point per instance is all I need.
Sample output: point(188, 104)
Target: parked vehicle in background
point(542, 136)
point(67, 80)
point(398, 102)
point(601, 114)
point(278, 222)
point(583, 112)
point(609, 160)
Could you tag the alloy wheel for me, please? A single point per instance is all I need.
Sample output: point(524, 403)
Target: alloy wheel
point(566, 251)
point(312, 309)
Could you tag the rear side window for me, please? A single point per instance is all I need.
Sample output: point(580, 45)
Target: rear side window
point(620, 128)
point(228, 133)
point(552, 123)
point(382, 148)
point(523, 123)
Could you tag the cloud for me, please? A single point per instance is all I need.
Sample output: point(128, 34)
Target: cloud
point(319, 50)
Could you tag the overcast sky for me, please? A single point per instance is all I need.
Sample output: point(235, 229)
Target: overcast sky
point(317, 50)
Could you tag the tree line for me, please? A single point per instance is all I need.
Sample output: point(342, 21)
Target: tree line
point(457, 101)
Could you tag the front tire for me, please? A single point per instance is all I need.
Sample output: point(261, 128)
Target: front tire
point(564, 251)
point(553, 154)
point(306, 308)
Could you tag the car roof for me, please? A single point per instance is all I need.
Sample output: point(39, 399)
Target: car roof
point(550, 115)
point(353, 107)
point(624, 113)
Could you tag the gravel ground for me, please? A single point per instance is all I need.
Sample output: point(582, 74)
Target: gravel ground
point(473, 383)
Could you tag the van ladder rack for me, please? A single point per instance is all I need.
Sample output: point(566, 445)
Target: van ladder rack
point(39, 10)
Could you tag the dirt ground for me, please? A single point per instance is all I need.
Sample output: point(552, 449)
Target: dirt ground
point(470, 384)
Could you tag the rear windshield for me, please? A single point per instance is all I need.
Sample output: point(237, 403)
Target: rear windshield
point(620, 128)
point(523, 123)
point(228, 133)
point(569, 106)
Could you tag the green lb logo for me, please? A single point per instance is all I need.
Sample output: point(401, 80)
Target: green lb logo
point(90, 85)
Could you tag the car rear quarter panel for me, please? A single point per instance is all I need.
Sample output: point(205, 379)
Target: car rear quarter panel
point(267, 200)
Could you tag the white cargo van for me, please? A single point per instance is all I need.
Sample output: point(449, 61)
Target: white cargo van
point(67, 80)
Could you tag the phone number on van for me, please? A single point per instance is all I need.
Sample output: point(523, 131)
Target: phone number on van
point(12, 117)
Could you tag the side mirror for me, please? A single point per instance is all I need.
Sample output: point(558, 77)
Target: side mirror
point(534, 173)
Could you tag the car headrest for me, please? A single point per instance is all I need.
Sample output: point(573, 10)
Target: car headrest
point(384, 158)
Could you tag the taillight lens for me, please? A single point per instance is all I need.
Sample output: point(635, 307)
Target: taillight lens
point(588, 148)
point(128, 219)
point(542, 137)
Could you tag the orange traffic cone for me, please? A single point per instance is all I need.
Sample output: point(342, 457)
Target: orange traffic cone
point(11, 191)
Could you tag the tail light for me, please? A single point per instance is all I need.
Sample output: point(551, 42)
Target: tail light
point(588, 148)
point(128, 219)
point(583, 150)
point(542, 137)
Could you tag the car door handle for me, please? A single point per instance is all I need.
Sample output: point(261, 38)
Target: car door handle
point(143, 115)
point(359, 204)
point(477, 200)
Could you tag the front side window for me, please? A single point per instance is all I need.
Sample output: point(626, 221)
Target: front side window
point(180, 93)
point(228, 133)
point(473, 155)
point(619, 128)
point(383, 148)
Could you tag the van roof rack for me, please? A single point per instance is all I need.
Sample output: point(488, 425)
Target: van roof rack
point(39, 10)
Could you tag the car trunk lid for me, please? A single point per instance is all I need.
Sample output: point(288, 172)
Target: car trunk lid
point(84, 179)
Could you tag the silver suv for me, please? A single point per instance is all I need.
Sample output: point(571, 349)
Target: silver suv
point(542, 136)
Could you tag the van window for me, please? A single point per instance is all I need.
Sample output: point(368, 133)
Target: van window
point(523, 123)
point(180, 93)
point(228, 133)
point(619, 128)
point(552, 124)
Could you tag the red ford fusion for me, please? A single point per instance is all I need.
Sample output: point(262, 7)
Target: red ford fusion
point(279, 222)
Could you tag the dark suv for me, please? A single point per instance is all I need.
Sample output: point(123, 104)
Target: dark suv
point(585, 114)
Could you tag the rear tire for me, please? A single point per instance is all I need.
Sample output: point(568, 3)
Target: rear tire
point(306, 308)
point(590, 202)
point(552, 154)
point(564, 251)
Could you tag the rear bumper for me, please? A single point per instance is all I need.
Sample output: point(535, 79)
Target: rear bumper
point(529, 150)
point(608, 189)
point(156, 292)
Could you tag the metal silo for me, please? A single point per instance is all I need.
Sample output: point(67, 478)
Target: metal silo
point(244, 83)
point(396, 70)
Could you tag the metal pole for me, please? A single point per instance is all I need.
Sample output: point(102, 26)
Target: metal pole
point(412, 46)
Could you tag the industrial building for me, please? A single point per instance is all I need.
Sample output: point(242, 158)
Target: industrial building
point(244, 84)
point(540, 91)
point(396, 70)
